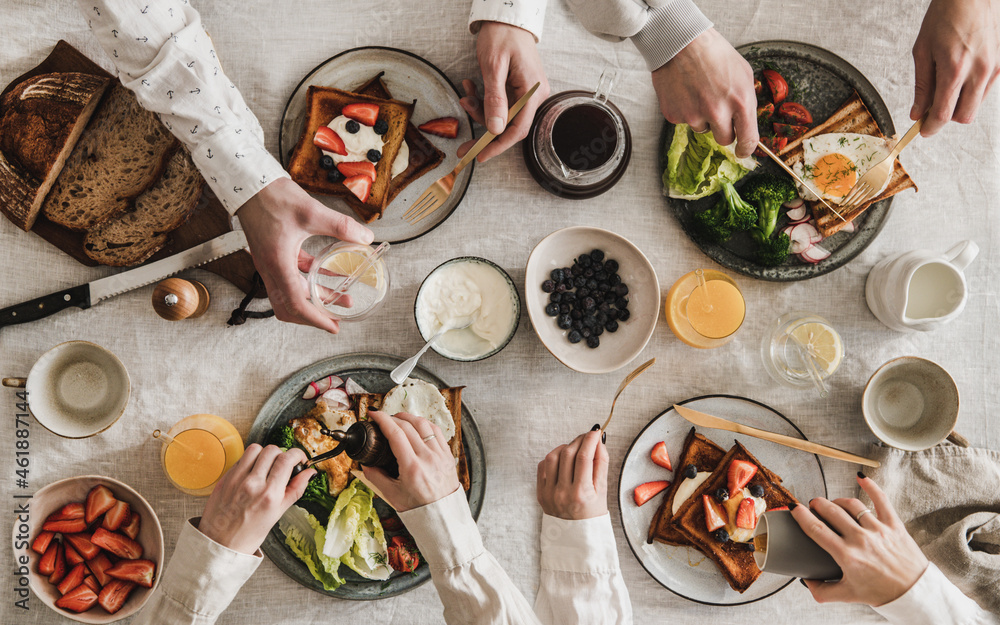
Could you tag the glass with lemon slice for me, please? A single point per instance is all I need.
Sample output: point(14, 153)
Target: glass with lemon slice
point(801, 347)
point(349, 281)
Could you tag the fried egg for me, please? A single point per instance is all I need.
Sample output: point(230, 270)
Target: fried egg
point(833, 163)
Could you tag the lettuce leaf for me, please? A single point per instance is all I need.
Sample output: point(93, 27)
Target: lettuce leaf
point(370, 555)
point(696, 164)
point(305, 536)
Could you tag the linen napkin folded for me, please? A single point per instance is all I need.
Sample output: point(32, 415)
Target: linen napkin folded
point(949, 499)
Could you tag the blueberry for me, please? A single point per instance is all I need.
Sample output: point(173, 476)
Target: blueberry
point(690, 472)
point(722, 494)
point(598, 330)
point(621, 290)
point(582, 292)
point(548, 286)
point(334, 175)
point(562, 287)
point(611, 326)
point(623, 315)
point(603, 287)
point(601, 276)
point(597, 266)
point(579, 281)
point(756, 490)
point(589, 303)
point(564, 322)
point(585, 261)
point(552, 310)
point(721, 535)
point(588, 273)
point(555, 296)
point(569, 296)
point(381, 127)
point(614, 279)
point(352, 126)
point(576, 314)
point(564, 308)
point(747, 546)
point(593, 342)
point(613, 314)
point(592, 284)
point(586, 333)
point(326, 162)
point(557, 275)
point(577, 269)
point(575, 337)
point(602, 318)
point(597, 255)
point(611, 265)
point(374, 155)
point(621, 303)
point(577, 324)
point(589, 321)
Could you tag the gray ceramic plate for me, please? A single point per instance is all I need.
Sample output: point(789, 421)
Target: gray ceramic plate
point(684, 570)
point(408, 77)
point(372, 372)
point(824, 81)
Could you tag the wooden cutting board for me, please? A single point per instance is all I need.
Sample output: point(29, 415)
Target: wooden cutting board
point(208, 221)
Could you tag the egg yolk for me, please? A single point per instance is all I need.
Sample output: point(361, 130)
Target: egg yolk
point(835, 174)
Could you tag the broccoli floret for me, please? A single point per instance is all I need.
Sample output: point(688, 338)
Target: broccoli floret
point(771, 252)
point(768, 193)
point(730, 214)
point(318, 492)
point(284, 437)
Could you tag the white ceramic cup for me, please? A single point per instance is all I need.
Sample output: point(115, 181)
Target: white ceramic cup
point(76, 389)
point(912, 403)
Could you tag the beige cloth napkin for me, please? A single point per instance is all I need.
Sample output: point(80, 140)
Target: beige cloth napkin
point(949, 498)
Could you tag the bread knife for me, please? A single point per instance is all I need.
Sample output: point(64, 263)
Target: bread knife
point(718, 423)
point(86, 295)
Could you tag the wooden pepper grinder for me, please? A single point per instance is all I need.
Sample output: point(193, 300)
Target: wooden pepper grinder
point(175, 299)
point(365, 443)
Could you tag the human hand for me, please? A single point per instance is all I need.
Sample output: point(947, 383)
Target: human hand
point(508, 59)
point(276, 221)
point(709, 86)
point(252, 496)
point(573, 479)
point(426, 466)
point(879, 558)
point(956, 58)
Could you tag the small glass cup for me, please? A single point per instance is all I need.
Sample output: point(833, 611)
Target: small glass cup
point(197, 452)
point(364, 295)
point(705, 308)
point(793, 340)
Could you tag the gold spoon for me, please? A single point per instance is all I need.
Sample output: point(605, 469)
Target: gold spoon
point(628, 380)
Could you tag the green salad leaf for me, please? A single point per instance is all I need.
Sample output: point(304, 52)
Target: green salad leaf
point(696, 164)
point(353, 506)
point(305, 536)
point(369, 557)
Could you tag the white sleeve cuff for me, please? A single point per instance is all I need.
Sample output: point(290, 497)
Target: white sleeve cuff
point(236, 165)
point(933, 600)
point(445, 531)
point(526, 14)
point(669, 30)
point(584, 546)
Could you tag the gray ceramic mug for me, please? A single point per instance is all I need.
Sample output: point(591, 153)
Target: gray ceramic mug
point(782, 547)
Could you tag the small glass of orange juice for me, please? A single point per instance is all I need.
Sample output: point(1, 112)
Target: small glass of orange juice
point(705, 308)
point(198, 451)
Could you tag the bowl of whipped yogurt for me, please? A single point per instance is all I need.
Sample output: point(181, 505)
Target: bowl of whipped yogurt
point(463, 289)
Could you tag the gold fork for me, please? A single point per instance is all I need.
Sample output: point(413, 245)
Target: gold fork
point(436, 194)
point(628, 380)
point(876, 177)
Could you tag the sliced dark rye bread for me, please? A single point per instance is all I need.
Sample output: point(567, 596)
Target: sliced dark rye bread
point(853, 117)
point(138, 234)
point(705, 456)
point(121, 154)
point(41, 120)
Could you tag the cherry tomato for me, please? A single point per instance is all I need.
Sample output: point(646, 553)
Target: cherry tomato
point(795, 113)
point(765, 112)
point(777, 85)
point(791, 131)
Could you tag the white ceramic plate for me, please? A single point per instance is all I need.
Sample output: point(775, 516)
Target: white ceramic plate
point(684, 570)
point(408, 77)
point(618, 349)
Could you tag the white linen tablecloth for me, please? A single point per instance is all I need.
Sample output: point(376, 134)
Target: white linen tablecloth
point(524, 401)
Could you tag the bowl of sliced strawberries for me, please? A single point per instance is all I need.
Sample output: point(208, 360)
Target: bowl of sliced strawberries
point(96, 548)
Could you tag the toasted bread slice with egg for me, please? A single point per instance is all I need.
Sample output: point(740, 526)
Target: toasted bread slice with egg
point(852, 117)
point(735, 560)
point(307, 432)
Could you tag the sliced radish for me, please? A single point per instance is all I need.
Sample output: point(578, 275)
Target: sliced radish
point(337, 399)
point(321, 386)
point(848, 227)
point(798, 213)
point(814, 254)
point(788, 230)
point(793, 204)
point(802, 237)
point(353, 388)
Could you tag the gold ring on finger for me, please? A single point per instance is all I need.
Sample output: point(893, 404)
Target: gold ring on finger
point(427, 438)
point(858, 516)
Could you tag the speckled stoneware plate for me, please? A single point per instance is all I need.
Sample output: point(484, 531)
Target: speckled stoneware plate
point(825, 81)
point(408, 77)
point(372, 372)
point(684, 570)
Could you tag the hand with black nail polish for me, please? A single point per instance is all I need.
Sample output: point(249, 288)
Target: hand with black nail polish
point(573, 478)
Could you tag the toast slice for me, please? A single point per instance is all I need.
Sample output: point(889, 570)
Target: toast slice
point(307, 432)
point(453, 401)
point(735, 560)
point(705, 456)
point(324, 104)
point(423, 155)
point(853, 117)
point(41, 120)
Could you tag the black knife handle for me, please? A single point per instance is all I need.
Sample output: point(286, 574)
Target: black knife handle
point(46, 305)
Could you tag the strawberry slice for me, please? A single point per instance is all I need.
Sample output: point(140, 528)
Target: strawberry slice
point(746, 516)
point(645, 492)
point(116, 516)
point(73, 557)
point(91, 582)
point(41, 543)
point(359, 168)
point(112, 597)
point(446, 127)
point(121, 546)
point(739, 475)
point(139, 571)
point(80, 599)
point(326, 139)
point(81, 543)
point(364, 113)
point(59, 572)
point(131, 529)
point(660, 456)
point(99, 567)
point(68, 526)
point(69, 511)
point(73, 579)
point(360, 186)
point(47, 563)
point(99, 500)
point(714, 515)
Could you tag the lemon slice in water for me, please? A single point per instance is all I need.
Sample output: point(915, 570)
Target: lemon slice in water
point(823, 343)
point(346, 262)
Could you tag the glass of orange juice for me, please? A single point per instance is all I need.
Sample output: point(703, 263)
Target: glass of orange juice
point(198, 451)
point(705, 308)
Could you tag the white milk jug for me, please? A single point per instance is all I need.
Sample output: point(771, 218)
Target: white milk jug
point(920, 290)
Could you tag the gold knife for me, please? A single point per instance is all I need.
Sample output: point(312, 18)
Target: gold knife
point(708, 421)
point(774, 157)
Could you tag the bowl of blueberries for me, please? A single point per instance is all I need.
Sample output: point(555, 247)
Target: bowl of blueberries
point(592, 297)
